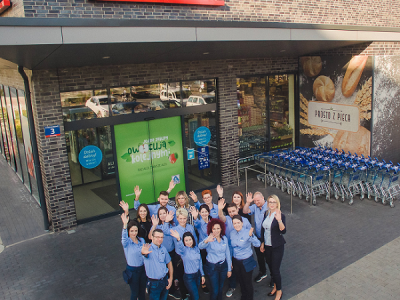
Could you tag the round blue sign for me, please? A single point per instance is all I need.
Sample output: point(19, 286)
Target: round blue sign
point(202, 136)
point(90, 157)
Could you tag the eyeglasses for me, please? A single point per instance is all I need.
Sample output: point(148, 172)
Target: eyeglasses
point(272, 202)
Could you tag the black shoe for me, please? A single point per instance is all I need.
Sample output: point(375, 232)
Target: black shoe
point(175, 294)
point(270, 294)
point(271, 283)
point(205, 289)
point(260, 277)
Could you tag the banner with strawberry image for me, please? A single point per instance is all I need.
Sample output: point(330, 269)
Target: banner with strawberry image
point(149, 154)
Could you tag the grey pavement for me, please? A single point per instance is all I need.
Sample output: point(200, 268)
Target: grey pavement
point(333, 251)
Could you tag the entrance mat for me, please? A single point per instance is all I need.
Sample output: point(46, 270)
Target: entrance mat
point(109, 194)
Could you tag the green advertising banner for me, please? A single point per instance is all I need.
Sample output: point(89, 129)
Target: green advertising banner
point(149, 154)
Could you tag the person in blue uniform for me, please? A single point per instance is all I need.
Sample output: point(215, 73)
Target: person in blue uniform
point(219, 262)
point(243, 262)
point(134, 274)
point(237, 198)
point(186, 247)
point(157, 264)
point(207, 198)
point(272, 242)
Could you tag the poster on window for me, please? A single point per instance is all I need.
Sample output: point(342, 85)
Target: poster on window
point(149, 154)
point(336, 102)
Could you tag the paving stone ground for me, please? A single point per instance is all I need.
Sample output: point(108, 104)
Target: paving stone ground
point(331, 247)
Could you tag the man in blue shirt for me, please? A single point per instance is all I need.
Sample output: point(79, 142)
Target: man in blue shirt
point(258, 209)
point(157, 263)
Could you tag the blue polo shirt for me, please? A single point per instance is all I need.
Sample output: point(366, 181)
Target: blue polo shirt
point(168, 241)
point(181, 230)
point(218, 252)
point(156, 262)
point(258, 216)
point(229, 225)
point(201, 227)
point(213, 210)
point(191, 258)
point(241, 243)
point(132, 250)
point(153, 208)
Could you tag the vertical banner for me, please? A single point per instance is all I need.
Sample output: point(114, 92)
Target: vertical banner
point(335, 102)
point(149, 154)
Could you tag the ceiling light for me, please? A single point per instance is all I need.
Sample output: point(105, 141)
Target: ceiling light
point(105, 57)
point(283, 50)
point(205, 53)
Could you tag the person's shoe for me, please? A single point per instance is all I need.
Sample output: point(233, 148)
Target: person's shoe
point(186, 298)
point(271, 283)
point(205, 289)
point(260, 277)
point(230, 291)
point(270, 294)
point(175, 294)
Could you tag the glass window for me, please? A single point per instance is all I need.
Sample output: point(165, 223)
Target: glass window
point(202, 91)
point(200, 173)
point(12, 95)
point(28, 146)
point(251, 93)
point(3, 121)
point(74, 106)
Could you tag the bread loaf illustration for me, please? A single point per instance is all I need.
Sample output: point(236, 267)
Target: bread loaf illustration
point(324, 89)
point(353, 75)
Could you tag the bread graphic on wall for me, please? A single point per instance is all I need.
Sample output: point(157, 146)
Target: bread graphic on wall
point(312, 65)
point(353, 75)
point(324, 89)
point(356, 142)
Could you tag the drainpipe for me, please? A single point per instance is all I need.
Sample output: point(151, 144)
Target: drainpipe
point(34, 147)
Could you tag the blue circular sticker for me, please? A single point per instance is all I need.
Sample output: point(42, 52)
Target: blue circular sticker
point(90, 157)
point(202, 136)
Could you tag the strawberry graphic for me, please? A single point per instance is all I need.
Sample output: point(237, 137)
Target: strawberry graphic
point(173, 157)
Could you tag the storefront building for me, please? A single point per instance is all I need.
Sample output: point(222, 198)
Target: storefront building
point(125, 94)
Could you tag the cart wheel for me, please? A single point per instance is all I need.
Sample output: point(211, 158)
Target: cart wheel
point(384, 202)
point(314, 202)
point(376, 199)
point(362, 196)
point(391, 204)
point(343, 199)
point(337, 197)
point(351, 201)
point(300, 196)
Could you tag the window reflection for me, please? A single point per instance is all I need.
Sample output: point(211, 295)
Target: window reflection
point(201, 92)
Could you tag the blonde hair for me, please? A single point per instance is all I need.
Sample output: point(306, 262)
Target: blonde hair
point(275, 197)
point(181, 211)
point(182, 193)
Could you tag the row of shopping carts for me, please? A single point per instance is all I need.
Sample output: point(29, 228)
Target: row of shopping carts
point(313, 172)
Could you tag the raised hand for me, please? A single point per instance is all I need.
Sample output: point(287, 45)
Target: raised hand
point(249, 197)
point(194, 212)
point(278, 215)
point(251, 231)
point(124, 219)
point(125, 206)
point(175, 234)
point(169, 217)
point(171, 186)
point(221, 204)
point(210, 238)
point(137, 192)
point(220, 190)
point(154, 220)
point(146, 249)
point(193, 196)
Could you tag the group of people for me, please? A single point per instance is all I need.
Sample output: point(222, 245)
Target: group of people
point(172, 245)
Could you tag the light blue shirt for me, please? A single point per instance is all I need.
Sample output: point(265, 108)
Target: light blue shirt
point(132, 250)
point(191, 258)
point(201, 227)
point(181, 230)
point(168, 241)
point(218, 251)
point(153, 208)
point(156, 262)
point(229, 225)
point(213, 211)
point(241, 243)
point(258, 216)
point(267, 229)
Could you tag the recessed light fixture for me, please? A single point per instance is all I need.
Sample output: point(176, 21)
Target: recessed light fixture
point(105, 57)
point(283, 50)
point(205, 53)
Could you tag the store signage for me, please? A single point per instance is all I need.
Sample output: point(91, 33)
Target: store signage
point(334, 116)
point(203, 157)
point(50, 131)
point(202, 136)
point(191, 2)
point(4, 4)
point(190, 154)
point(90, 157)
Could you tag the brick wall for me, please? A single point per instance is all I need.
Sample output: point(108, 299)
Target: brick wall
point(340, 12)
point(52, 151)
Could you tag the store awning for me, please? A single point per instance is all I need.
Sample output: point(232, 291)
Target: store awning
point(59, 43)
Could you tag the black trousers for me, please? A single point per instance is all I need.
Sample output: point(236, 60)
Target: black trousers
point(179, 270)
point(260, 260)
point(245, 279)
point(274, 256)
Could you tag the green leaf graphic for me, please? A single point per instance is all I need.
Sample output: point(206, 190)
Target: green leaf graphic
point(127, 157)
point(176, 155)
point(171, 143)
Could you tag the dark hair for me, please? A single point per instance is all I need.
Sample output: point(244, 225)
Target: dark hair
point(191, 235)
point(213, 222)
point(206, 192)
point(136, 224)
point(237, 217)
point(157, 230)
point(241, 196)
point(148, 219)
point(205, 206)
point(158, 215)
point(231, 205)
point(164, 193)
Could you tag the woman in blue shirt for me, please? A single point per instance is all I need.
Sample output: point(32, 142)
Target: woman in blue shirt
point(134, 274)
point(164, 221)
point(243, 261)
point(192, 263)
point(219, 262)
